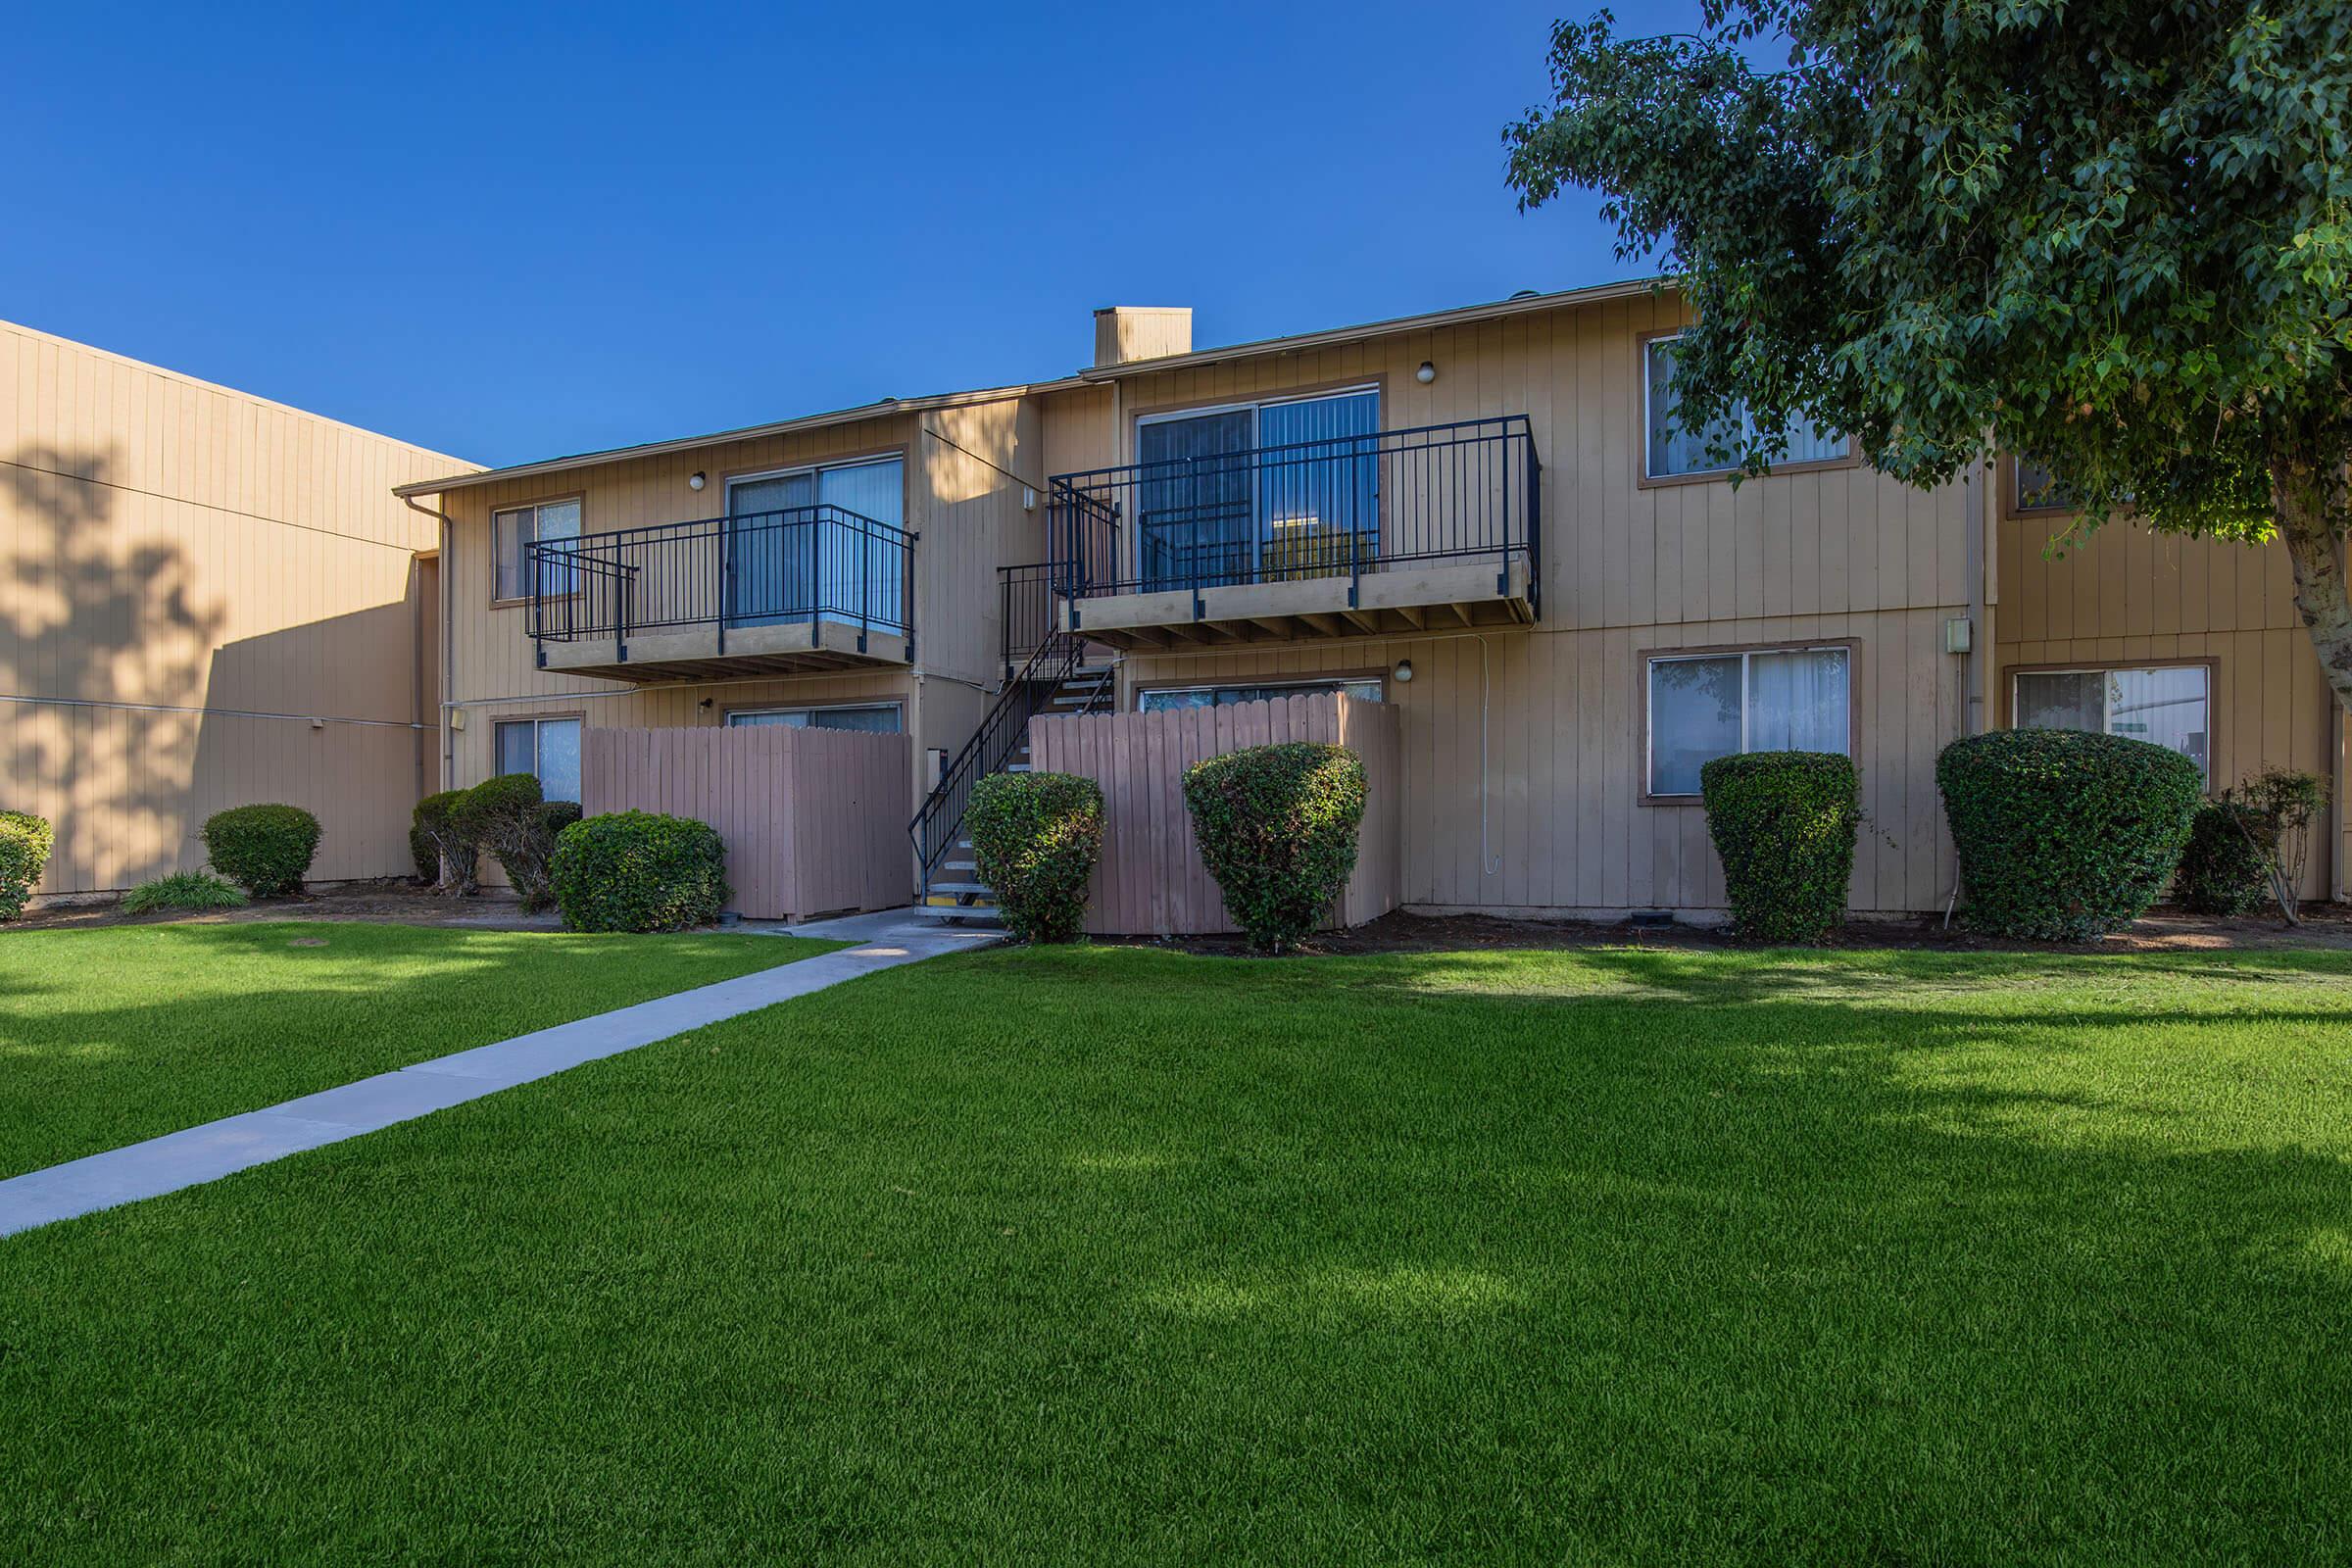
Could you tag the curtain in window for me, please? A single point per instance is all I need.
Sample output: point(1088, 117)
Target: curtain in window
point(516, 751)
point(2165, 706)
point(769, 538)
point(1672, 448)
point(859, 573)
point(560, 758)
point(2068, 700)
point(1194, 503)
point(1797, 701)
point(1319, 501)
point(1694, 719)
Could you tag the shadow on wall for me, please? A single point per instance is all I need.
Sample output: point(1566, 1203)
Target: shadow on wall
point(108, 616)
point(86, 618)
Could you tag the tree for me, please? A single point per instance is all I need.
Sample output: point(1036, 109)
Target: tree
point(2112, 235)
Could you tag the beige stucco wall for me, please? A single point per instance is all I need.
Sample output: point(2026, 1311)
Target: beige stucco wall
point(205, 600)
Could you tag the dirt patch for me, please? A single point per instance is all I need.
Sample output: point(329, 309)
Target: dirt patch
point(2166, 929)
point(383, 903)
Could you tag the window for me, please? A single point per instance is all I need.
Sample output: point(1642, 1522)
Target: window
point(872, 719)
point(1259, 492)
point(548, 747)
point(1673, 451)
point(1705, 706)
point(1171, 698)
point(2036, 488)
point(514, 529)
point(2169, 705)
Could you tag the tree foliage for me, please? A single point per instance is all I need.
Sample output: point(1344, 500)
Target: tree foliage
point(2114, 235)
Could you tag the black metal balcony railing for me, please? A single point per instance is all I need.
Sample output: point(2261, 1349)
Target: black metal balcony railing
point(804, 565)
point(1338, 507)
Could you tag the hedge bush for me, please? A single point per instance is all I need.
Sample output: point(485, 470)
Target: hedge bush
point(2222, 871)
point(1036, 838)
point(26, 841)
point(505, 818)
point(1783, 824)
point(183, 889)
point(2064, 836)
point(1277, 828)
point(265, 849)
point(639, 872)
point(440, 843)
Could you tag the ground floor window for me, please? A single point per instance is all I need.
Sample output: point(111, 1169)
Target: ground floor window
point(547, 748)
point(1168, 698)
point(1705, 706)
point(2170, 705)
point(872, 719)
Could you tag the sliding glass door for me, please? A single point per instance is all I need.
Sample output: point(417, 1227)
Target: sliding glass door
point(793, 554)
point(1261, 492)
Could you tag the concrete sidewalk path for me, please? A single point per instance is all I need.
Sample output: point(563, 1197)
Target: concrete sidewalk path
point(216, 1149)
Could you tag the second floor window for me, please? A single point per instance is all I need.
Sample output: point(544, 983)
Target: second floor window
point(512, 532)
point(1671, 452)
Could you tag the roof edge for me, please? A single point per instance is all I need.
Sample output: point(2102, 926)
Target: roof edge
point(1465, 315)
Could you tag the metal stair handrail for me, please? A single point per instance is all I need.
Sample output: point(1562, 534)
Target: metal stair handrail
point(991, 747)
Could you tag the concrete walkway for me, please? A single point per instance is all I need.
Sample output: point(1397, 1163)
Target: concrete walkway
point(212, 1150)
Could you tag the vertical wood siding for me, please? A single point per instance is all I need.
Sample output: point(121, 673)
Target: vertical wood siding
point(815, 820)
point(1151, 879)
point(189, 577)
point(2124, 595)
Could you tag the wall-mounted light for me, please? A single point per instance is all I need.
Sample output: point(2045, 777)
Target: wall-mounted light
point(1427, 373)
point(1405, 671)
point(705, 704)
point(695, 480)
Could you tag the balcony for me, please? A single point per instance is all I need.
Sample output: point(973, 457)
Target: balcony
point(778, 593)
point(1388, 533)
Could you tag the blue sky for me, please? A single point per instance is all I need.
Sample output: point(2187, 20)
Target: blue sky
point(513, 232)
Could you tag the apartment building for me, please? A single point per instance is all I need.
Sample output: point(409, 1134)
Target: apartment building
point(1482, 516)
point(207, 600)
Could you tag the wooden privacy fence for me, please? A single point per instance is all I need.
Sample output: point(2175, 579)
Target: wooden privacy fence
point(814, 819)
point(1151, 880)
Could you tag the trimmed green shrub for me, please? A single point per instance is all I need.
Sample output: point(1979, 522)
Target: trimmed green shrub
point(638, 871)
point(265, 849)
point(446, 857)
point(183, 889)
point(2064, 836)
point(2222, 870)
point(26, 841)
point(1784, 825)
point(505, 818)
point(1277, 828)
point(1036, 838)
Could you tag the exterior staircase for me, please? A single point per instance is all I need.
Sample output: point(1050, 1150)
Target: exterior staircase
point(951, 888)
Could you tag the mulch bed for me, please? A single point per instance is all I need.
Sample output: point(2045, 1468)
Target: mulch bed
point(2166, 929)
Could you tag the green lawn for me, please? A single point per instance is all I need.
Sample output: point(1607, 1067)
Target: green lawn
point(1117, 1255)
point(114, 1035)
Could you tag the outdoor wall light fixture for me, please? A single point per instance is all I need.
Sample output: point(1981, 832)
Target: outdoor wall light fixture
point(1427, 373)
point(695, 480)
point(1405, 671)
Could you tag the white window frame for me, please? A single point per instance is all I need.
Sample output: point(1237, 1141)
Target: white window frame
point(2107, 698)
point(533, 721)
point(524, 560)
point(735, 713)
point(1300, 684)
point(1748, 428)
point(1649, 701)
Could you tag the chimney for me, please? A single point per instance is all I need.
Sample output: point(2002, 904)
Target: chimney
point(1129, 333)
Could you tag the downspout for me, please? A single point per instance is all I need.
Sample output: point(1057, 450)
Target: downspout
point(441, 579)
point(1974, 715)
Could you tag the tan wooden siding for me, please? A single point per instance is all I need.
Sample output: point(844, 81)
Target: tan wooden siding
point(1151, 880)
point(815, 820)
point(984, 474)
point(2124, 596)
point(1522, 768)
point(205, 600)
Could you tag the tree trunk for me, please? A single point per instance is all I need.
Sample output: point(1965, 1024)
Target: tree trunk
point(2308, 495)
